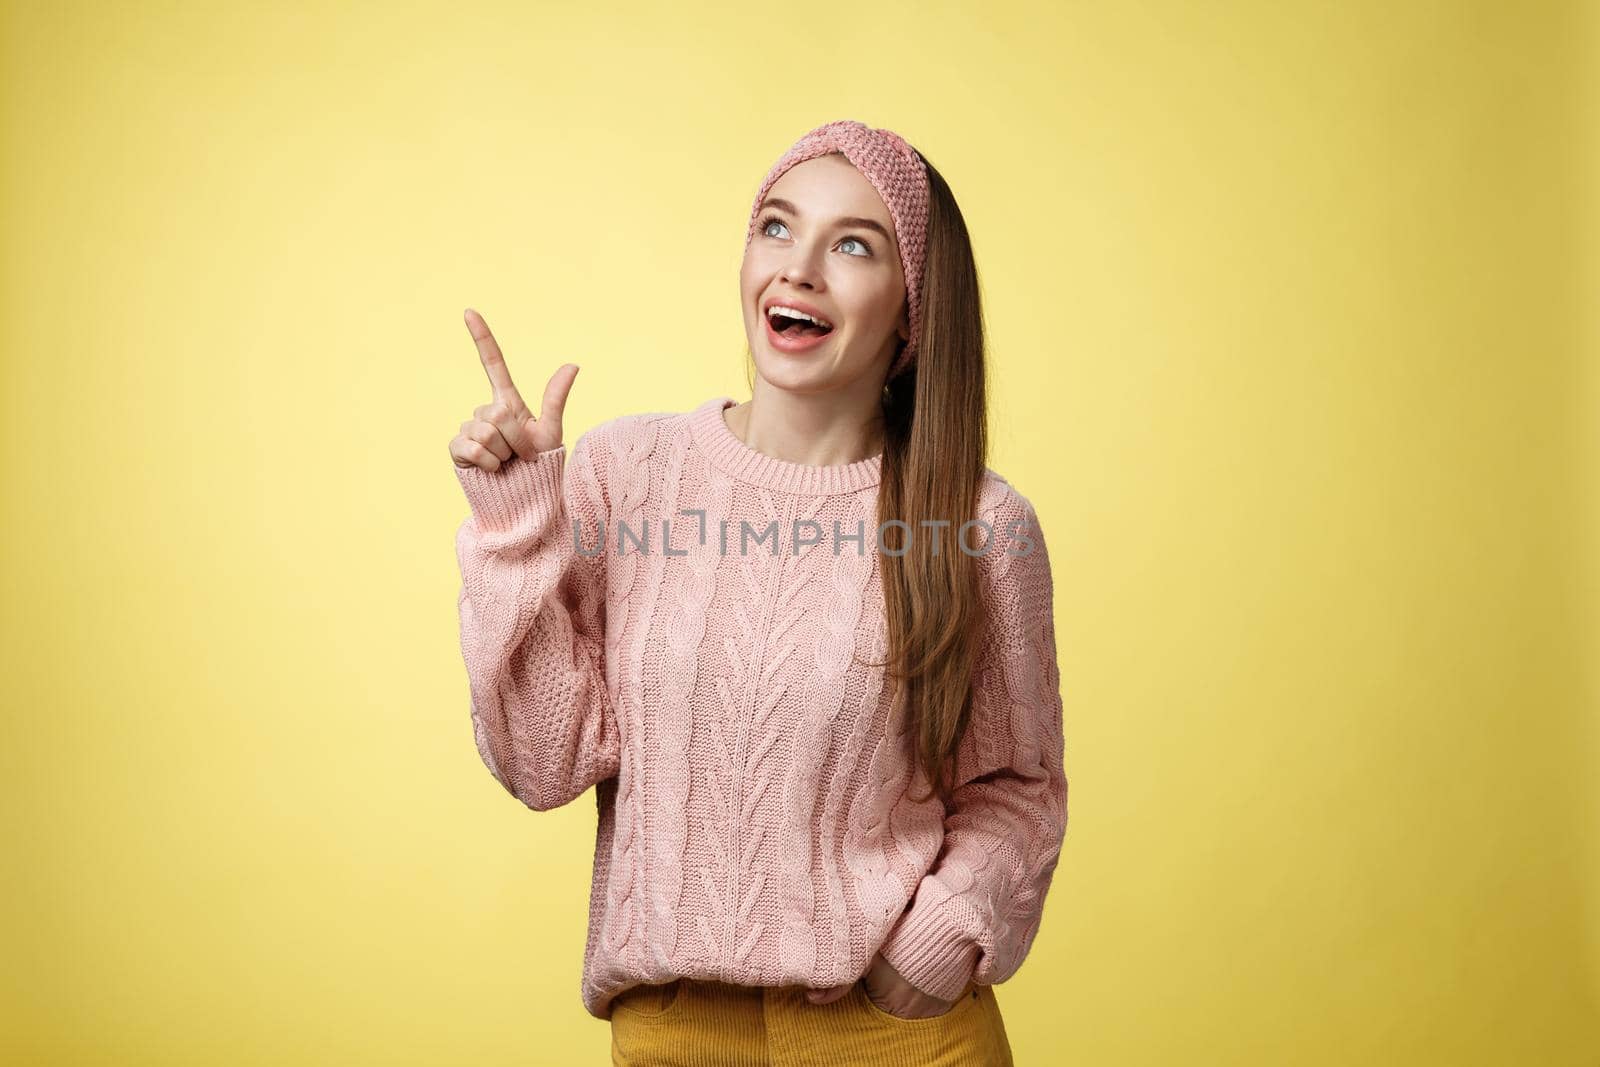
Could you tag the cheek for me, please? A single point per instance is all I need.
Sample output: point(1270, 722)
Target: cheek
point(876, 307)
point(748, 290)
point(752, 275)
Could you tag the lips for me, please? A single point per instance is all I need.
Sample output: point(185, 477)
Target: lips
point(796, 339)
point(797, 305)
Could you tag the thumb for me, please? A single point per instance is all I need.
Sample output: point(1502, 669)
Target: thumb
point(826, 996)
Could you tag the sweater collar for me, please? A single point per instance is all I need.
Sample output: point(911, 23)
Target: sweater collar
point(727, 452)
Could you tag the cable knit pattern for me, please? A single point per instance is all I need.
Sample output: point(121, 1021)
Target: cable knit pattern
point(631, 446)
point(754, 823)
point(843, 582)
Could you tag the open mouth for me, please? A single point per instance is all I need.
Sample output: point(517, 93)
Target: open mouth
point(793, 326)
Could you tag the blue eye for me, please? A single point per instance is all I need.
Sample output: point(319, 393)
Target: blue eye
point(773, 220)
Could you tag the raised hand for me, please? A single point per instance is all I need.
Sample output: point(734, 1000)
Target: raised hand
point(504, 428)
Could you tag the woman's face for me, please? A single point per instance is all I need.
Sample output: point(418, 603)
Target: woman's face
point(816, 246)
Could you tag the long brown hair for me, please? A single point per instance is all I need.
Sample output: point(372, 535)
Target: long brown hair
point(935, 451)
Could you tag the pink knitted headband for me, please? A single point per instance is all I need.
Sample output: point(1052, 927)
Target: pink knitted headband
point(896, 170)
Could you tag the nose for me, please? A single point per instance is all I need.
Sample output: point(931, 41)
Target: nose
point(801, 268)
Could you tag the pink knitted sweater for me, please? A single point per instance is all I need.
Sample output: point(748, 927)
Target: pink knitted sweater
point(751, 777)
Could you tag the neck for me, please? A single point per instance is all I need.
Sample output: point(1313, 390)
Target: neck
point(816, 429)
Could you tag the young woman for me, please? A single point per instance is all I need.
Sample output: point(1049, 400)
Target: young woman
point(802, 646)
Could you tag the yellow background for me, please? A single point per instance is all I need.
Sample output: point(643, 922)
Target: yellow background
point(1292, 311)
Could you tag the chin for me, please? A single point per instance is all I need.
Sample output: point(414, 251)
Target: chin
point(784, 374)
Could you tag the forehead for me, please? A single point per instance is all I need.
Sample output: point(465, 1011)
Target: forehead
point(829, 186)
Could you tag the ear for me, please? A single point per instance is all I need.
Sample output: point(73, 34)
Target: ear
point(903, 327)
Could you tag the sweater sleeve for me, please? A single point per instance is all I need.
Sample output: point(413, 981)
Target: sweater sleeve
point(532, 609)
point(975, 913)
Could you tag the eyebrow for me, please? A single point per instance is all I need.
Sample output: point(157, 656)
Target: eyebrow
point(846, 220)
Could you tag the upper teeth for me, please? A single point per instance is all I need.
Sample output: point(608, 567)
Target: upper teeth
point(795, 313)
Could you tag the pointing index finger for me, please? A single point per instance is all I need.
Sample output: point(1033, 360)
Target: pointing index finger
point(494, 364)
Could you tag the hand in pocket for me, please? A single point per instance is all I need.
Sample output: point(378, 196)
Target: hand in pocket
point(891, 993)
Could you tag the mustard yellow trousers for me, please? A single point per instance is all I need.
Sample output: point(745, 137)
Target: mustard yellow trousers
point(691, 1023)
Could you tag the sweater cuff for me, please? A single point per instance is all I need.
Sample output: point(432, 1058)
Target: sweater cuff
point(929, 947)
point(499, 498)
